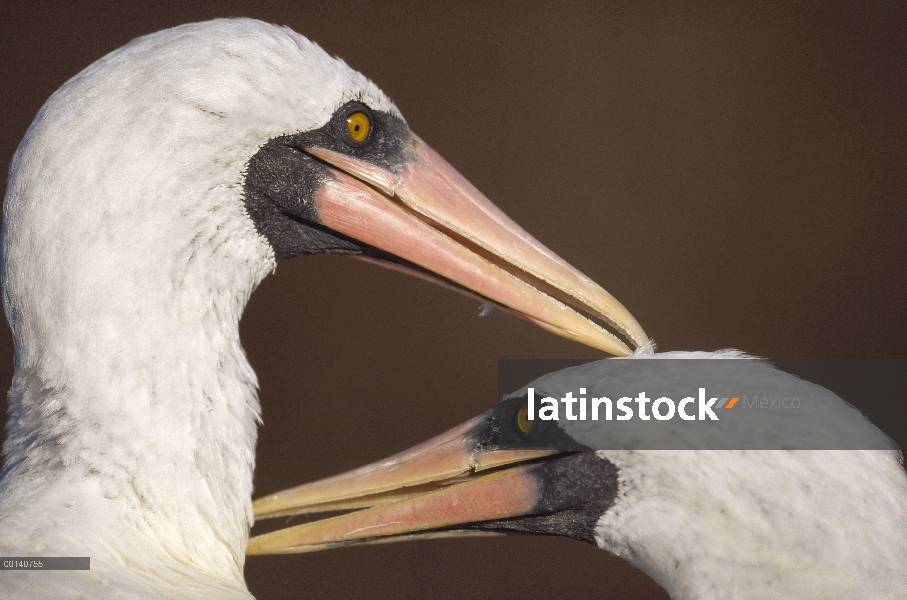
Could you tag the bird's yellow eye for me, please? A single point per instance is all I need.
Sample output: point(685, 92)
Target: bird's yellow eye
point(359, 125)
point(523, 422)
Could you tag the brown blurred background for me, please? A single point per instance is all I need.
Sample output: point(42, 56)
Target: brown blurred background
point(734, 174)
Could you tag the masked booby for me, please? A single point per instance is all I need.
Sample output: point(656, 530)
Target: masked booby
point(739, 523)
point(148, 199)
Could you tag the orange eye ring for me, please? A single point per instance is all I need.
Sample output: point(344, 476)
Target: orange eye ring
point(359, 126)
point(523, 422)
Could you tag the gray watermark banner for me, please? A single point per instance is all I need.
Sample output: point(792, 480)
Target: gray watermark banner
point(663, 403)
point(45, 563)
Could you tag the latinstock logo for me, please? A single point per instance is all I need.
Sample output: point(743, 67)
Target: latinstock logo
point(708, 403)
point(662, 409)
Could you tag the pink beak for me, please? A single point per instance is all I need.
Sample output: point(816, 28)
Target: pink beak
point(448, 232)
point(444, 482)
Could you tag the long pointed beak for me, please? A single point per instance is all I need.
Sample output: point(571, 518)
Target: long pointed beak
point(499, 495)
point(444, 460)
point(411, 494)
point(432, 217)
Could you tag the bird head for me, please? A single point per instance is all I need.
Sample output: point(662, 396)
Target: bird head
point(192, 160)
point(674, 504)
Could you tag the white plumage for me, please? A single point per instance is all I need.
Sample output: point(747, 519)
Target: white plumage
point(127, 262)
point(804, 524)
point(708, 522)
point(128, 258)
point(749, 524)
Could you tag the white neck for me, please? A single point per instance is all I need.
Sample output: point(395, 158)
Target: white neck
point(133, 408)
point(128, 258)
point(746, 525)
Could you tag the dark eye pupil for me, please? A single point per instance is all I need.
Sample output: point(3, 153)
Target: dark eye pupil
point(356, 127)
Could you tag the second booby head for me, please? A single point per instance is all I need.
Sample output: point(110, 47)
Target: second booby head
point(717, 523)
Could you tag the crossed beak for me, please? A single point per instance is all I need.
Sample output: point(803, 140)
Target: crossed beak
point(446, 231)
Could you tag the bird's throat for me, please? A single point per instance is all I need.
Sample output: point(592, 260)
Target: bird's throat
point(153, 433)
